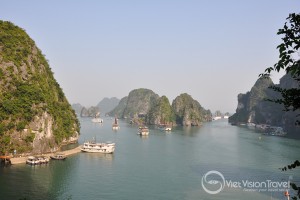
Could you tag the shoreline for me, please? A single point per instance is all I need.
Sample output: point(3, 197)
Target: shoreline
point(21, 160)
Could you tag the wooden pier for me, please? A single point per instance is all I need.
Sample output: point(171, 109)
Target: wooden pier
point(5, 159)
point(20, 160)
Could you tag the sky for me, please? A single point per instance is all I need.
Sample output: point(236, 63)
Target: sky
point(210, 49)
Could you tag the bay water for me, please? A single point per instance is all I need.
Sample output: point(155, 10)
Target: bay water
point(164, 165)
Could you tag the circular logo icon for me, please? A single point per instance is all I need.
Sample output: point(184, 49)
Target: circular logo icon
point(213, 186)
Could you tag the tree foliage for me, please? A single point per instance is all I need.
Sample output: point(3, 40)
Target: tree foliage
point(289, 61)
point(28, 89)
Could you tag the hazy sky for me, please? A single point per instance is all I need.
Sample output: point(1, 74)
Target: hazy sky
point(212, 50)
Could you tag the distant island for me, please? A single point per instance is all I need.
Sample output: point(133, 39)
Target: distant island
point(35, 116)
point(143, 106)
point(103, 107)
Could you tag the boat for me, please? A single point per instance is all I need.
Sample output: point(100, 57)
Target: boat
point(43, 159)
point(94, 147)
point(143, 130)
point(165, 127)
point(97, 120)
point(31, 160)
point(58, 156)
point(115, 125)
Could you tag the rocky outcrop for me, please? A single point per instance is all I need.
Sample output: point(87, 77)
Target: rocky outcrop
point(143, 106)
point(138, 103)
point(161, 112)
point(119, 109)
point(92, 111)
point(189, 112)
point(108, 104)
point(77, 107)
point(35, 116)
point(253, 107)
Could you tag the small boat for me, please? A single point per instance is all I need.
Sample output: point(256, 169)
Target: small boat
point(165, 127)
point(43, 159)
point(97, 120)
point(31, 160)
point(115, 125)
point(94, 147)
point(143, 130)
point(58, 156)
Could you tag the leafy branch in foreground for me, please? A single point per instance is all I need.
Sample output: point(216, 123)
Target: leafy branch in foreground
point(289, 61)
point(293, 185)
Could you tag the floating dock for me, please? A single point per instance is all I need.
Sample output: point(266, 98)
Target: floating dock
point(20, 160)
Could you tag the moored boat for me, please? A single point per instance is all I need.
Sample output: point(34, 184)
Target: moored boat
point(165, 127)
point(58, 156)
point(43, 159)
point(31, 160)
point(143, 130)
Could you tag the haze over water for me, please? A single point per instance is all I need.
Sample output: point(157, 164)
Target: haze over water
point(160, 166)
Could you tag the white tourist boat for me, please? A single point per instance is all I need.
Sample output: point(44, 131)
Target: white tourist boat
point(97, 120)
point(93, 147)
point(143, 130)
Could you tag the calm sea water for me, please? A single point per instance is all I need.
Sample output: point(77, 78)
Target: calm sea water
point(161, 166)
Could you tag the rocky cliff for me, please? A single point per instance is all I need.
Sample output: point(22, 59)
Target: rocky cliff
point(161, 112)
point(108, 104)
point(35, 115)
point(119, 109)
point(189, 112)
point(138, 102)
point(77, 107)
point(252, 106)
point(92, 111)
point(143, 106)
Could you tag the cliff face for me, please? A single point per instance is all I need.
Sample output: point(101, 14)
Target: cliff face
point(143, 106)
point(77, 107)
point(138, 102)
point(35, 115)
point(119, 109)
point(161, 112)
point(189, 112)
point(93, 111)
point(107, 104)
point(252, 106)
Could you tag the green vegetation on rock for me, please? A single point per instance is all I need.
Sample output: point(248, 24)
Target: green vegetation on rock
point(161, 112)
point(188, 111)
point(28, 94)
